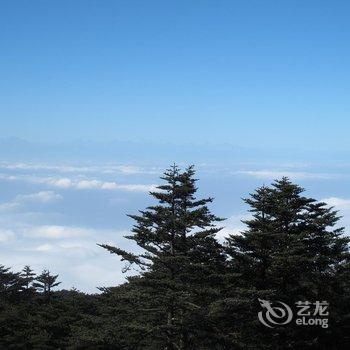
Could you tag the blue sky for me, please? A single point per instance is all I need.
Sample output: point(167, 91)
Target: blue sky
point(243, 72)
point(99, 97)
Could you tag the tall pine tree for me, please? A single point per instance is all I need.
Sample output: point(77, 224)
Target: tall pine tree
point(291, 251)
point(181, 266)
point(45, 282)
point(28, 277)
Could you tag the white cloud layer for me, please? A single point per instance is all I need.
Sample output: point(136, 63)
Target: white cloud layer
point(79, 184)
point(342, 205)
point(293, 175)
point(39, 197)
point(43, 197)
point(56, 232)
point(72, 252)
point(34, 231)
point(6, 235)
point(338, 203)
point(104, 169)
point(233, 225)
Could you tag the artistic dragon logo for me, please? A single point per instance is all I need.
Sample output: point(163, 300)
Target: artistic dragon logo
point(272, 316)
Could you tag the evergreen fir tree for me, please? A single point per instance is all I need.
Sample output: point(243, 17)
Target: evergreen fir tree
point(289, 252)
point(181, 265)
point(45, 282)
point(10, 282)
point(28, 277)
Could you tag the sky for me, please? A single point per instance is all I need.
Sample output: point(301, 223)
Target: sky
point(97, 98)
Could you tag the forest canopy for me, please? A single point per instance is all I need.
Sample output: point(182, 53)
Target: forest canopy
point(193, 290)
